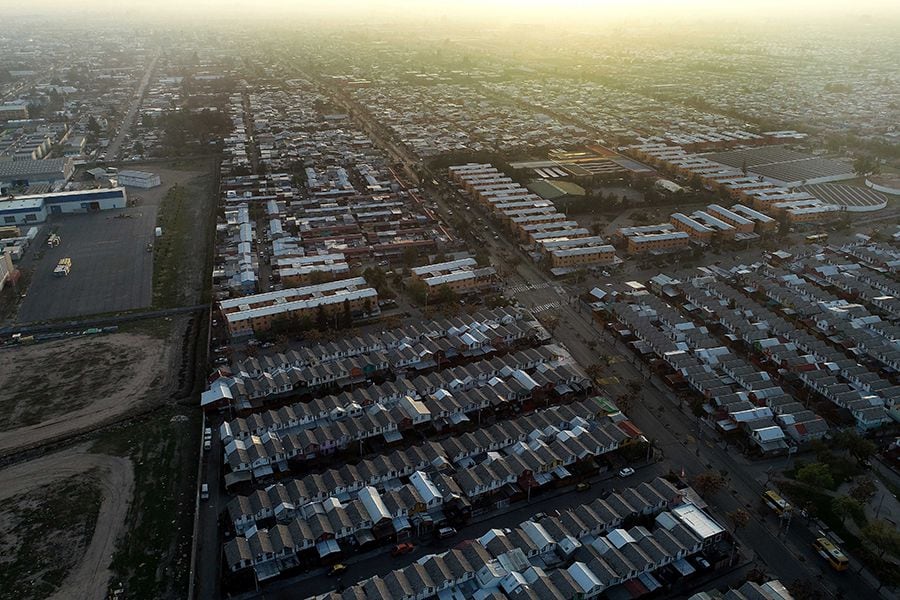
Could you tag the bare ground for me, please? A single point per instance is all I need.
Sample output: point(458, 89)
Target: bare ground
point(89, 579)
point(52, 390)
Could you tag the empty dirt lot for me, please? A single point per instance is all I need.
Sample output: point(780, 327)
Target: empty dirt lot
point(56, 389)
point(82, 547)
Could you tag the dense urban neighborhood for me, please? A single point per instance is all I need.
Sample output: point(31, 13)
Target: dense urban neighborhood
point(354, 307)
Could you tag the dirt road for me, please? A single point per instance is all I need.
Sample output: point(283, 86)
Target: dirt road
point(90, 578)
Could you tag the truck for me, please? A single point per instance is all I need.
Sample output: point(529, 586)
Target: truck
point(63, 267)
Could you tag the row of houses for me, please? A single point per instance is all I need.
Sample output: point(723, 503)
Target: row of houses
point(527, 457)
point(762, 329)
point(325, 410)
point(479, 325)
point(382, 472)
point(242, 392)
point(272, 449)
point(579, 554)
point(712, 371)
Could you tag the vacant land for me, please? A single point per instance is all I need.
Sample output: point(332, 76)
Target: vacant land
point(61, 518)
point(153, 556)
point(59, 388)
point(179, 274)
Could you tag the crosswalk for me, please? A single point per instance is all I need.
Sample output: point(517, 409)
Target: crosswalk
point(542, 307)
point(524, 287)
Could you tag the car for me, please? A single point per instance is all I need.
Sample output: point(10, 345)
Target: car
point(204, 491)
point(583, 486)
point(702, 562)
point(337, 569)
point(539, 516)
point(400, 549)
point(626, 472)
point(207, 445)
point(445, 532)
point(207, 433)
point(221, 360)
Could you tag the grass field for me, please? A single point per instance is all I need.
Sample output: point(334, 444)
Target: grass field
point(179, 259)
point(43, 534)
point(153, 558)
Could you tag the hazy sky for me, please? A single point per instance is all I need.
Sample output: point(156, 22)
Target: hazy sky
point(508, 10)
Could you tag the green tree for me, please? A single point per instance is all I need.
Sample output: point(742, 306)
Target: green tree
point(859, 447)
point(410, 256)
point(884, 536)
point(865, 164)
point(845, 506)
point(816, 474)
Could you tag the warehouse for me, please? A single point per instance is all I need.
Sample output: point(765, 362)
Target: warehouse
point(22, 173)
point(138, 179)
point(35, 208)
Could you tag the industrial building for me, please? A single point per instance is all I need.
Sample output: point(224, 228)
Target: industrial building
point(22, 173)
point(31, 209)
point(138, 179)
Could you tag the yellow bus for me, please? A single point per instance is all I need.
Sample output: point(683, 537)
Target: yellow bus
point(830, 552)
point(776, 502)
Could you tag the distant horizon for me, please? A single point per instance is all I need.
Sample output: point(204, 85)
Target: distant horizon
point(585, 13)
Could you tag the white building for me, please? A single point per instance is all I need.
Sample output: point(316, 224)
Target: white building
point(138, 179)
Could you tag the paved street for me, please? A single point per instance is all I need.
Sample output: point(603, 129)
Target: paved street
point(112, 152)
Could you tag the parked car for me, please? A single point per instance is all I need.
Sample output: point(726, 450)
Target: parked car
point(207, 445)
point(337, 569)
point(583, 486)
point(539, 517)
point(626, 472)
point(400, 549)
point(445, 532)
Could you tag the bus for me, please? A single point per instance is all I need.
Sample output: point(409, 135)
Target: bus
point(776, 503)
point(817, 238)
point(830, 552)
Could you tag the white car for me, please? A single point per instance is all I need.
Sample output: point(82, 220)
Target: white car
point(626, 472)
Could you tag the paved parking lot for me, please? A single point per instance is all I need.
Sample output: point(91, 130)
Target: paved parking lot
point(111, 268)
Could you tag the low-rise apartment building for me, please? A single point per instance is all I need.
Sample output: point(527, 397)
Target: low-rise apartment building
point(582, 256)
point(697, 230)
point(257, 313)
point(462, 276)
point(805, 211)
point(659, 238)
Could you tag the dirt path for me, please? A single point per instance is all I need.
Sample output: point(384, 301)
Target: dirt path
point(151, 358)
point(90, 578)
